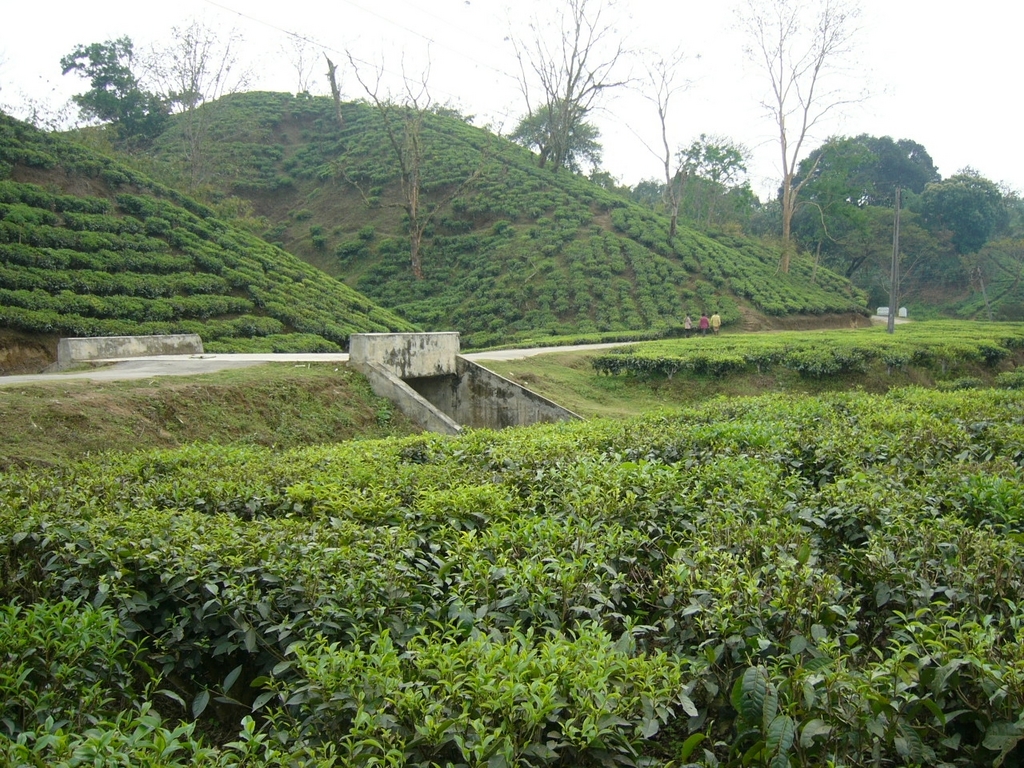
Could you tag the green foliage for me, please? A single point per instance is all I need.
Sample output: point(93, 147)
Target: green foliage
point(778, 580)
point(115, 93)
point(954, 385)
point(822, 355)
point(559, 136)
point(516, 251)
point(479, 700)
point(997, 267)
point(868, 168)
point(64, 662)
point(1011, 379)
point(152, 261)
point(968, 206)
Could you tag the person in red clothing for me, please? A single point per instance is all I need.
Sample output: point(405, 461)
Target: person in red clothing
point(704, 324)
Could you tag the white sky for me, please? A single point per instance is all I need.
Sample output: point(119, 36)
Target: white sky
point(941, 73)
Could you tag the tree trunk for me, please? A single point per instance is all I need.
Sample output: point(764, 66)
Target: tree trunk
point(335, 90)
point(787, 223)
point(414, 252)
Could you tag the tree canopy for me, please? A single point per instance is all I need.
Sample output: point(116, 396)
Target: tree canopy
point(566, 146)
point(868, 168)
point(115, 94)
point(969, 206)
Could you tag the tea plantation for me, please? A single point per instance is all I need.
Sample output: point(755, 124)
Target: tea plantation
point(782, 580)
point(508, 249)
point(133, 257)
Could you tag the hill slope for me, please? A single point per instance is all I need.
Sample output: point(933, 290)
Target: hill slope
point(91, 248)
point(509, 249)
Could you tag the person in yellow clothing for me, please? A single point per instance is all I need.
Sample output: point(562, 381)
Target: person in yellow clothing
point(716, 323)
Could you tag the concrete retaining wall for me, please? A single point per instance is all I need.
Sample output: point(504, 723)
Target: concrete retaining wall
point(406, 355)
point(385, 384)
point(479, 398)
point(82, 350)
point(423, 374)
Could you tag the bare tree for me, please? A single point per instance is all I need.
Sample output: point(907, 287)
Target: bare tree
point(664, 81)
point(801, 45)
point(302, 55)
point(403, 125)
point(198, 68)
point(562, 80)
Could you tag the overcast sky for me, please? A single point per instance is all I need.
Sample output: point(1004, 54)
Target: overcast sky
point(941, 73)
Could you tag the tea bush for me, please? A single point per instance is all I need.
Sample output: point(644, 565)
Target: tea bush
point(788, 580)
point(823, 355)
point(151, 261)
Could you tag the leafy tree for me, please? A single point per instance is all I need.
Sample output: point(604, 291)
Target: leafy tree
point(866, 252)
point(713, 166)
point(116, 94)
point(997, 270)
point(799, 44)
point(575, 143)
point(648, 192)
point(570, 74)
point(968, 206)
point(868, 167)
point(846, 216)
point(902, 163)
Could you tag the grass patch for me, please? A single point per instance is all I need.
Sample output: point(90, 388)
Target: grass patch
point(277, 405)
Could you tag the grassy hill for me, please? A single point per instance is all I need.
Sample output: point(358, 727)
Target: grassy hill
point(89, 247)
point(510, 249)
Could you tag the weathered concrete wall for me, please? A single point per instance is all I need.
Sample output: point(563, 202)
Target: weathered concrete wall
point(80, 350)
point(407, 355)
point(476, 397)
point(384, 383)
point(423, 374)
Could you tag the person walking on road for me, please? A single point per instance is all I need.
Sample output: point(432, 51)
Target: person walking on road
point(716, 323)
point(704, 324)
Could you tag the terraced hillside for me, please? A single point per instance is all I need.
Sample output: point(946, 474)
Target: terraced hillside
point(91, 248)
point(508, 249)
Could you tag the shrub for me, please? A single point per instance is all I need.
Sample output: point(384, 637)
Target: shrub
point(64, 662)
point(964, 382)
point(1011, 379)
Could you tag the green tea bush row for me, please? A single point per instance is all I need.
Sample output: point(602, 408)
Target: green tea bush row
point(819, 355)
point(126, 307)
point(153, 256)
point(793, 579)
point(62, 662)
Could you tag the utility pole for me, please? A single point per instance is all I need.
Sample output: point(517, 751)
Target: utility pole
point(894, 273)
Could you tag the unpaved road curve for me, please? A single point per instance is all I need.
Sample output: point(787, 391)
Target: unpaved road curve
point(189, 365)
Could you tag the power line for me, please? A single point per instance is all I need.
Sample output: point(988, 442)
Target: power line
point(386, 19)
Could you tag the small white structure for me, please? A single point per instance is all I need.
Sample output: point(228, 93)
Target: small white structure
point(884, 312)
